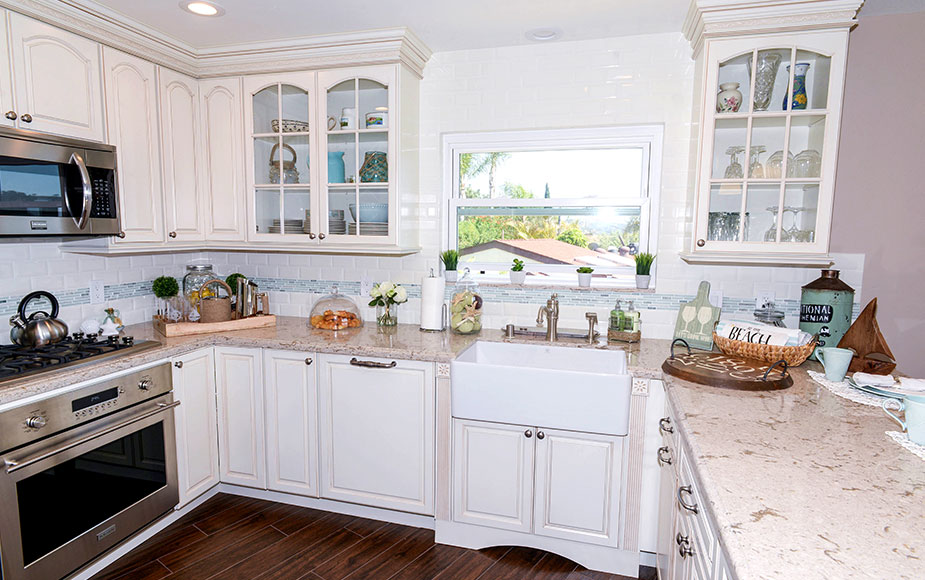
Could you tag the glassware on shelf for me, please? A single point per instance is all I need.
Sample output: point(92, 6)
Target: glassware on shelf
point(771, 234)
point(734, 171)
point(773, 168)
point(755, 169)
point(765, 74)
point(807, 163)
point(723, 226)
point(290, 173)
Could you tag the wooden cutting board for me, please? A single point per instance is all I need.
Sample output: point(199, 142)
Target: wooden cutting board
point(728, 372)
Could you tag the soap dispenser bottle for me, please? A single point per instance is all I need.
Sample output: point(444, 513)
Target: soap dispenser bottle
point(617, 318)
point(632, 319)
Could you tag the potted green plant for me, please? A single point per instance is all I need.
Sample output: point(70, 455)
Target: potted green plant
point(518, 276)
point(450, 259)
point(584, 276)
point(643, 266)
point(164, 288)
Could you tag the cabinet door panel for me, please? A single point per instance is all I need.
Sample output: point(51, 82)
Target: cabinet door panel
point(57, 79)
point(6, 81)
point(179, 96)
point(133, 128)
point(493, 475)
point(223, 159)
point(292, 426)
point(240, 416)
point(377, 434)
point(197, 424)
point(578, 479)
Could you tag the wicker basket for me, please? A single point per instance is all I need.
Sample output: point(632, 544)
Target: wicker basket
point(769, 353)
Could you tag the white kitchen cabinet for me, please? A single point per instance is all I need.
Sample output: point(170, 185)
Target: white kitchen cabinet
point(196, 423)
point(181, 158)
point(292, 422)
point(56, 80)
point(131, 96)
point(377, 432)
point(7, 110)
point(493, 475)
point(223, 189)
point(241, 435)
point(578, 483)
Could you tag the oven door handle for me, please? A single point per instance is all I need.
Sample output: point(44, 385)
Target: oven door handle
point(13, 466)
point(87, 187)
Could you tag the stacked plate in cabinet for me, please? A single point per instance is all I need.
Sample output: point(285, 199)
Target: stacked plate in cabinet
point(290, 227)
point(337, 225)
point(369, 229)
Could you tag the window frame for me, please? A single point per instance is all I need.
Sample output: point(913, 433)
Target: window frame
point(647, 137)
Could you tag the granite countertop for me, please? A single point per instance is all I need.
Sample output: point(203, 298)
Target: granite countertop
point(804, 484)
point(801, 483)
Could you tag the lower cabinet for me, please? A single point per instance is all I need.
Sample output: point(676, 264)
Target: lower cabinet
point(554, 483)
point(196, 423)
point(377, 432)
point(242, 454)
point(292, 425)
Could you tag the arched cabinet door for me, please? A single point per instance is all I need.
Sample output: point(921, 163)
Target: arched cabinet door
point(278, 141)
point(56, 76)
point(222, 113)
point(134, 130)
point(182, 159)
point(358, 111)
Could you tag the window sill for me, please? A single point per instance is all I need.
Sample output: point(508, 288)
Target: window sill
point(615, 287)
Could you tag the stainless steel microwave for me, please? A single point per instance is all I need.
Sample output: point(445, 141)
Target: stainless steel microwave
point(56, 186)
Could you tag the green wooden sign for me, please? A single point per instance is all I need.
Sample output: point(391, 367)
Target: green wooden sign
point(697, 318)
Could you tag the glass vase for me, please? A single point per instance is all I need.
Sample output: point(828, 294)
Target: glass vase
point(387, 315)
point(765, 75)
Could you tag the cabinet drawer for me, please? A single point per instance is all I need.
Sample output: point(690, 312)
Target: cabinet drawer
point(703, 537)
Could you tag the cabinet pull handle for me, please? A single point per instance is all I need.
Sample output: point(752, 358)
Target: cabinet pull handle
point(178, 364)
point(172, 234)
point(540, 435)
point(528, 433)
point(372, 364)
point(664, 456)
point(11, 115)
point(689, 507)
point(27, 118)
point(664, 425)
point(309, 361)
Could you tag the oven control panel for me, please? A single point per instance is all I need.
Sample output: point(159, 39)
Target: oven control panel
point(98, 403)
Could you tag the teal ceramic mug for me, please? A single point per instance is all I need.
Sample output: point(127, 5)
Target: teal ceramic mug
point(914, 425)
point(835, 361)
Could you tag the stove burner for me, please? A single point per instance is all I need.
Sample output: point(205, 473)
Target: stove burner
point(16, 361)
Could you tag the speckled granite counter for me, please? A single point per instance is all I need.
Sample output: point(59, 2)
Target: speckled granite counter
point(801, 483)
point(804, 484)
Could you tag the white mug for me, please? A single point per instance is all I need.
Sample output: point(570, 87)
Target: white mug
point(348, 118)
point(914, 425)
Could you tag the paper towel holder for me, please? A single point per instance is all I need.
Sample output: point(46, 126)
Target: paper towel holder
point(444, 314)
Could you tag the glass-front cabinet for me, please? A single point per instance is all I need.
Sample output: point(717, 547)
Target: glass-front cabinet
point(770, 114)
point(322, 158)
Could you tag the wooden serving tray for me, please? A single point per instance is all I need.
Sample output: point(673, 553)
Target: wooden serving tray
point(728, 372)
point(171, 329)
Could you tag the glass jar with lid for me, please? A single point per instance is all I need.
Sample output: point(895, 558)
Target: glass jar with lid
point(466, 306)
point(335, 312)
point(196, 276)
point(769, 314)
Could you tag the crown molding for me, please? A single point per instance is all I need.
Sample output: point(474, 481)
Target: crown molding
point(719, 18)
point(99, 23)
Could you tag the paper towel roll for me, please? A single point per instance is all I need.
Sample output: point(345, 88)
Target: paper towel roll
point(432, 292)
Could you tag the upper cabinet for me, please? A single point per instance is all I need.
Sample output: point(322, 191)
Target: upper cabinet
point(131, 98)
point(55, 80)
point(769, 108)
point(222, 119)
point(8, 114)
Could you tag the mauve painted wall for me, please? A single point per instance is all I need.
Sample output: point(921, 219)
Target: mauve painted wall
point(879, 191)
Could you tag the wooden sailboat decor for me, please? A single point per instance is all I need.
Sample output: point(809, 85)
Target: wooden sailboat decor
point(864, 337)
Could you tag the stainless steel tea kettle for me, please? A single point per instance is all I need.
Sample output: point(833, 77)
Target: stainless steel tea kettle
point(40, 328)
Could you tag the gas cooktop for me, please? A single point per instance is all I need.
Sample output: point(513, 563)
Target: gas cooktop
point(20, 361)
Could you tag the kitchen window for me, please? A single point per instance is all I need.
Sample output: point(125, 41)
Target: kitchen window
point(555, 199)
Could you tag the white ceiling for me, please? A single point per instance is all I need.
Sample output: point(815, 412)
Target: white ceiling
point(441, 24)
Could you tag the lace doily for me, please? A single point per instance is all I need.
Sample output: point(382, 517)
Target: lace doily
point(903, 440)
point(846, 391)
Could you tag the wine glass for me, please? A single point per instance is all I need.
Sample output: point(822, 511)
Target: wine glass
point(734, 171)
point(771, 234)
point(755, 169)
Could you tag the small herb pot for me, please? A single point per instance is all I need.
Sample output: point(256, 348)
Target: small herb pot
point(642, 281)
point(584, 280)
point(518, 277)
point(451, 276)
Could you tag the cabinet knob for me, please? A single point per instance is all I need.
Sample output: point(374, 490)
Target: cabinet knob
point(172, 234)
point(685, 550)
point(121, 235)
point(321, 236)
point(308, 361)
point(540, 435)
point(701, 243)
point(11, 115)
point(664, 425)
point(311, 236)
point(528, 433)
point(27, 118)
point(679, 539)
point(178, 364)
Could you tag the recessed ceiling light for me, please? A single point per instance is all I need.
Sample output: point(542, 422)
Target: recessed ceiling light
point(202, 7)
point(544, 34)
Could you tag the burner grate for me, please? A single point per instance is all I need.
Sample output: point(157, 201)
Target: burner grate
point(17, 361)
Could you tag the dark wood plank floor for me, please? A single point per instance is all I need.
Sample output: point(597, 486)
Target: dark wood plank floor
point(237, 538)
